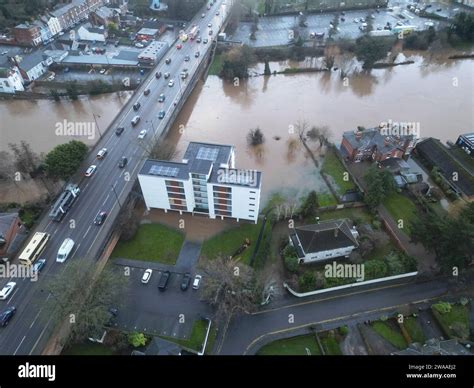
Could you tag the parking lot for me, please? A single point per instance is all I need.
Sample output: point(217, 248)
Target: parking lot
point(146, 309)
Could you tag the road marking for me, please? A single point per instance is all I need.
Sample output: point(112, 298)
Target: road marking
point(14, 292)
point(106, 198)
point(87, 231)
point(34, 320)
point(40, 336)
point(18, 347)
point(336, 319)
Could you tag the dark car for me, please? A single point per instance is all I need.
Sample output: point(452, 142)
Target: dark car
point(38, 266)
point(161, 114)
point(146, 92)
point(123, 162)
point(119, 131)
point(136, 106)
point(158, 74)
point(6, 315)
point(187, 58)
point(100, 218)
point(185, 282)
point(168, 61)
point(163, 282)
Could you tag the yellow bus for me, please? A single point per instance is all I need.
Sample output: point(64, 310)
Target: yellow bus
point(34, 248)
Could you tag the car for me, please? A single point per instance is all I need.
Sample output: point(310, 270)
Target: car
point(163, 282)
point(167, 75)
point(168, 61)
point(51, 77)
point(100, 218)
point(146, 92)
point(171, 83)
point(90, 170)
point(142, 134)
point(343, 19)
point(439, 9)
point(139, 45)
point(119, 131)
point(5, 52)
point(38, 266)
point(101, 154)
point(158, 74)
point(179, 46)
point(210, 32)
point(102, 71)
point(205, 41)
point(198, 40)
point(217, 13)
point(203, 15)
point(146, 276)
point(356, 20)
point(6, 315)
point(186, 58)
point(197, 54)
point(185, 282)
point(161, 114)
point(161, 98)
point(123, 162)
point(210, 25)
point(135, 120)
point(197, 282)
point(7, 290)
point(136, 106)
point(208, 7)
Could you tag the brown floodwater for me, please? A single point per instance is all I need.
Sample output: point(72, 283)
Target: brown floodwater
point(438, 96)
point(37, 121)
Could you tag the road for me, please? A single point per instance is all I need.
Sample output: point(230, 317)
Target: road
point(246, 330)
point(106, 190)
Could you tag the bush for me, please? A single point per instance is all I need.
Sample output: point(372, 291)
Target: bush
point(375, 269)
point(442, 307)
point(307, 282)
point(291, 263)
point(137, 339)
point(255, 137)
point(343, 330)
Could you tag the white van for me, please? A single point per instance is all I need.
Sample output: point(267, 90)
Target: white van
point(65, 250)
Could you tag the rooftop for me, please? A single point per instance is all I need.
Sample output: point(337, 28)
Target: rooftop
point(373, 137)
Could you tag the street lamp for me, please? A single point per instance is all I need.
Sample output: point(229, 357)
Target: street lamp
point(97, 125)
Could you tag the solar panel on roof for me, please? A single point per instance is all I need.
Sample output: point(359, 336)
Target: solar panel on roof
point(164, 171)
point(206, 153)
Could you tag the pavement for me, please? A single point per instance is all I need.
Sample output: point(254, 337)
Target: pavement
point(106, 190)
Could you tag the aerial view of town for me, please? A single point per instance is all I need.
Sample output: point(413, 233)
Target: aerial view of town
point(252, 178)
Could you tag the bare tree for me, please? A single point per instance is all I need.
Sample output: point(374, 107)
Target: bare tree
point(321, 134)
point(229, 287)
point(159, 150)
point(7, 169)
point(26, 161)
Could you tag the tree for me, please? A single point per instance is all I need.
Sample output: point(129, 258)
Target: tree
point(26, 161)
point(230, 287)
point(371, 49)
point(307, 281)
point(321, 134)
point(84, 298)
point(54, 94)
point(267, 70)
point(255, 137)
point(237, 61)
point(112, 28)
point(64, 160)
point(375, 269)
point(161, 150)
point(380, 184)
point(463, 26)
point(310, 205)
point(72, 91)
point(136, 339)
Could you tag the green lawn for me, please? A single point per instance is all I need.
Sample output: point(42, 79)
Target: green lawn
point(352, 213)
point(392, 336)
point(216, 66)
point(401, 208)
point(293, 346)
point(414, 330)
point(326, 199)
point(458, 313)
point(333, 166)
point(227, 242)
point(330, 345)
point(88, 349)
point(153, 242)
point(198, 334)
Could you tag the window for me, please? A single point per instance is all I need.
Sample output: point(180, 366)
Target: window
point(251, 204)
point(251, 210)
point(252, 199)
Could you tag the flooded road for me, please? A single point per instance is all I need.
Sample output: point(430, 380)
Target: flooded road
point(36, 121)
point(438, 97)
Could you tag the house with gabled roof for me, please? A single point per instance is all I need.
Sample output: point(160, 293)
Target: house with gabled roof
point(324, 241)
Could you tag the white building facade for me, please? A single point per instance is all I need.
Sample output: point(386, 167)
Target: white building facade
point(205, 182)
point(11, 80)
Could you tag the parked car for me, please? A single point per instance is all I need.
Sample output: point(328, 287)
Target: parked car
point(163, 282)
point(90, 170)
point(6, 315)
point(119, 131)
point(136, 106)
point(146, 276)
point(38, 265)
point(102, 71)
point(197, 282)
point(171, 83)
point(142, 134)
point(123, 162)
point(7, 290)
point(167, 75)
point(101, 154)
point(161, 98)
point(100, 218)
point(158, 74)
point(161, 114)
point(185, 282)
point(139, 45)
point(146, 92)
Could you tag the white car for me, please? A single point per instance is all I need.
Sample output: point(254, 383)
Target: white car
point(146, 276)
point(142, 134)
point(197, 282)
point(102, 71)
point(210, 25)
point(203, 15)
point(101, 154)
point(171, 83)
point(90, 170)
point(7, 290)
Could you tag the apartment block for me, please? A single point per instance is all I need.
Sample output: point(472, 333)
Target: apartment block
point(204, 182)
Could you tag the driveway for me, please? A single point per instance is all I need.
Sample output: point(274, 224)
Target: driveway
point(188, 256)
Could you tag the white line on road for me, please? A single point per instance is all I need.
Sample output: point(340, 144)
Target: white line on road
point(9, 300)
point(18, 347)
point(87, 231)
point(34, 320)
point(103, 203)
